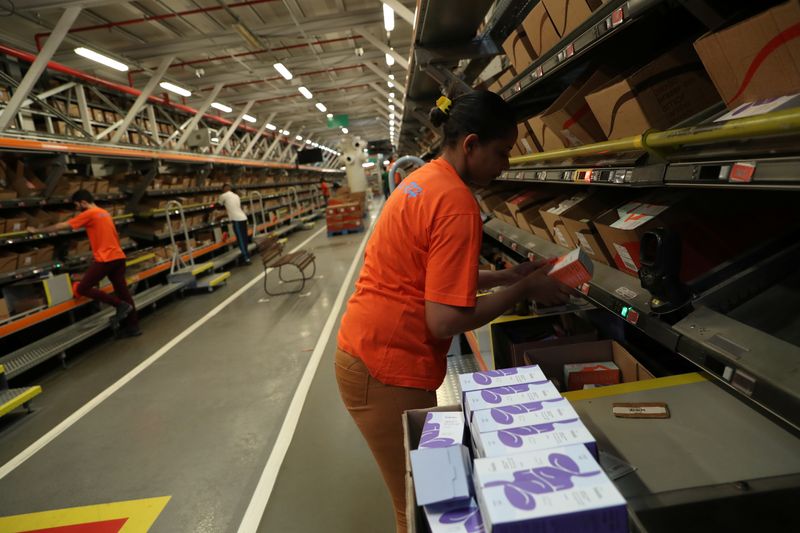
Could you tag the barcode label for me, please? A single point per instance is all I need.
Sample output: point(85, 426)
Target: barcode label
point(584, 243)
point(561, 238)
point(626, 258)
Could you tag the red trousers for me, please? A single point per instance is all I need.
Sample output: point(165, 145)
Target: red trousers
point(115, 271)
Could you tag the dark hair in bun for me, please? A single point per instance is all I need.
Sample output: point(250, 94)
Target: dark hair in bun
point(483, 113)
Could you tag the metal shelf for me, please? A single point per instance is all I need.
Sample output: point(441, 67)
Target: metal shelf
point(36, 201)
point(18, 237)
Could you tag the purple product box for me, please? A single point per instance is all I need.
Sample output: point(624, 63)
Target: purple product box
point(560, 490)
point(508, 395)
point(525, 414)
point(441, 474)
point(442, 429)
point(455, 517)
point(537, 437)
point(499, 378)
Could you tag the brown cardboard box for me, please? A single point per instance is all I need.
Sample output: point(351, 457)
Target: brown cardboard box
point(24, 185)
point(38, 218)
point(729, 55)
point(488, 200)
point(80, 247)
point(578, 222)
point(15, 224)
point(8, 261)
point(569, 14)
point(666, 91)
point(501, 212)
point(510, 340)
point(540, 30)
point(74, 111)
point(101, 187)
point(546, 138)
point(571, 117)
point(109, 117)
point(26, 259)
point(526, 199)
point(551, 213)
point(97, 114)
point(518, 50)
point(4, 313)
point(6, 194)
point(552, 359)
point(44, 254)
point(531, 220)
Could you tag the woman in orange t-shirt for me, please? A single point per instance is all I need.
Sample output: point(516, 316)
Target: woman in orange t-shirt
point(419, 281)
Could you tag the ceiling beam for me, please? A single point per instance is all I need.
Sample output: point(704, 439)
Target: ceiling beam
point(380, 45)
point(402, 11)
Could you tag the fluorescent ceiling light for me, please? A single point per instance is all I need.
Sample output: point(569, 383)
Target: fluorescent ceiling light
point(345, 131)
point(221, 107)
point(342, 168)
point(386, 162)
point(391, 76)
point(389, 59)
point(391, 95)
point(298, 137)
point(283, 71)
point(368, 165)
point(100, 58)
point(214, 139)
point(174, 88)
point(329, 115)
point(308, 141)
point(391, 107)
point(388, 18)
point(285, 132)
point(305, 92)
point(321, 107)
point(271, 127)
point(249, 118)
point(391, 116)
point(389, 84)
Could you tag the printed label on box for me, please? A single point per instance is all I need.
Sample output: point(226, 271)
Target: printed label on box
point(627, 260)
point(759, 107)
point(533, 438)
point(584, 243)
point(526, 414)
point(442, 429)
point(510, 395)
point(500, 378)
point(642, 214)
point(566, 204)
point(562, 240)
point(454, 517)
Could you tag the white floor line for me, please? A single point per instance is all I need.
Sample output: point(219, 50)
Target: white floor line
point(258, 503)
point(48, 437)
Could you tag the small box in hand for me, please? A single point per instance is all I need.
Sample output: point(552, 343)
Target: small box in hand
point(573, 269)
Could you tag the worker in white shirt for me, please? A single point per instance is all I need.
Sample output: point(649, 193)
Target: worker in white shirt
point(233, 205)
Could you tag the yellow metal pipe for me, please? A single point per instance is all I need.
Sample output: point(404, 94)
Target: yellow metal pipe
point(619, 145)
point(777, 123)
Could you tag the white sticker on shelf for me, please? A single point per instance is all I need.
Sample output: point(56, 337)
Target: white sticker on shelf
point(561, 238)
point(627, 260)
point(626, 293)
point(643, 213)
point(584, 243)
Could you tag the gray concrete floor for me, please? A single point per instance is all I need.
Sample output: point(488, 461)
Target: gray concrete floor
point(200, 423)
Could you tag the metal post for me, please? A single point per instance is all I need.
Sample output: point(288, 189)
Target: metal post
point(258, 135)
point(83, 108)
point(39, 64)
point(196, 118)
point(402, 11)
point(151, 116)
point(232, 129)
point(52, 92)
point(285, 152)
point(275, 143)
point(152, 83)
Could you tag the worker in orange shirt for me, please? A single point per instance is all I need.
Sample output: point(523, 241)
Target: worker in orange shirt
point(418, 285)
point(109, 261)
point(326, 190)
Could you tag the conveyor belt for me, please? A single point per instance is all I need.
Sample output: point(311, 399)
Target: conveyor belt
point(29, 356)
point(10, 399)
point(447, 393)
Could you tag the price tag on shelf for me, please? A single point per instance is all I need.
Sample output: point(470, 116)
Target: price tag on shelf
point(743, 172)
point(585, 289)
point(500, 237)
point(626, 293)
point(618, 17)
point(538, 73)
point(531, 256)
point(570, 50)
point(514, 246)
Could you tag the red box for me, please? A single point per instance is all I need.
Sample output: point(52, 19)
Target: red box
point(576, 375)
point(573, 269)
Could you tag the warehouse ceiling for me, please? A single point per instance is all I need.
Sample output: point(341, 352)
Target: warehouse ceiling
point(334, 48)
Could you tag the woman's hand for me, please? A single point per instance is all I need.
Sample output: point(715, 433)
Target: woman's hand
point(543, 289)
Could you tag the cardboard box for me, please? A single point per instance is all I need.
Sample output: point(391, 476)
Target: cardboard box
point(512, 441)
point(546, 138)
point(4, 312)
point(570, 116)
point(525, 414)
point(26, 259)
point(756, 58)
point(551, 214)
point(576, 375)
point(97, 114)
point(561, 489)
point(454, 517)
point(441, 474)
point(498, 378)
point(667, 91)
point(579, 225)
point(488, 199)
point(569, 14)
point(501, 212)
point(6, 194)
point(101, 187)
point(8, 261)
point(573, 269)
point(531, 220)
point(510, 395)
point(526, 199)
point(519, 51)
point(15, 224)
point(552, 359)
point(540, 30)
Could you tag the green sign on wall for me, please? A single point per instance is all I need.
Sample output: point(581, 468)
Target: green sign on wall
point(339, 121)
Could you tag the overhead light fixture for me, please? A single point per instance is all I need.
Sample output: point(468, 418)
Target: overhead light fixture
point(298, 137)
point(388, 18)
point(391, 107)
point(368, 165)
point(221, 107)
point(345, 131)
point(308, 141)
point(391, 95)
point(389, 84)
point(271, 127)
point(391, 76)
point(391, 116)
point(389, 59)
point(285, 132)
point(283, 71)
point(321, 107)
point(175, 89)
point(305, 92)
point(100, 58)
point(342, 168)
point(386, 162)
point(249, 118)
point(247, 36)
point(329, 115)
point(214, 139)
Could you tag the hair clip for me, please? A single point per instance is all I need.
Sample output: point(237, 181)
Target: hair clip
point(444, 103)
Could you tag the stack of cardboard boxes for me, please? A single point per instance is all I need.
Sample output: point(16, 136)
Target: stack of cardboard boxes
point(346, 212)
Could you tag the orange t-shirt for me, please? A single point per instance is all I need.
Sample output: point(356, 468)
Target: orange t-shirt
point(425, 247)
point(102, 234)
